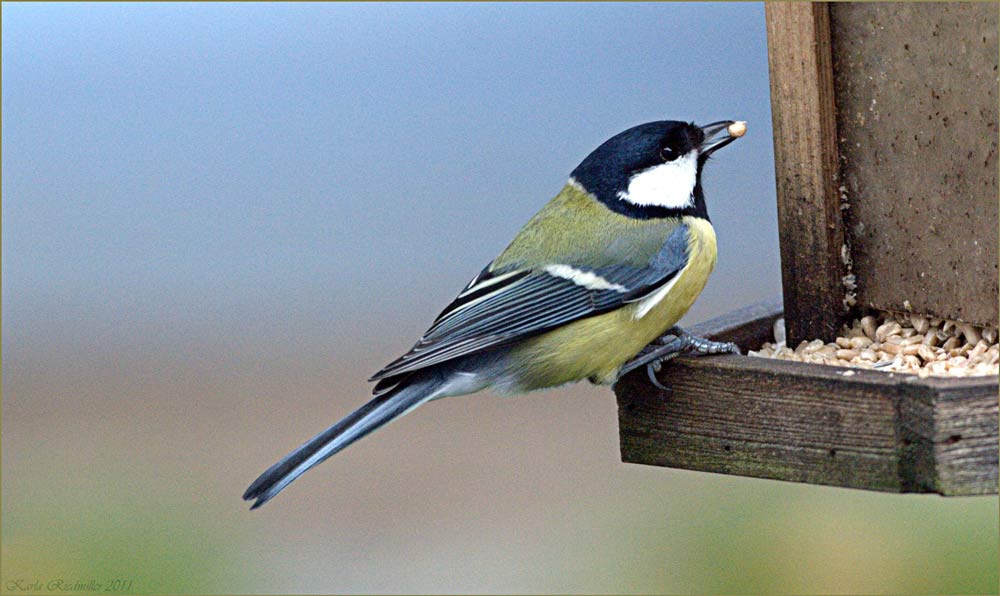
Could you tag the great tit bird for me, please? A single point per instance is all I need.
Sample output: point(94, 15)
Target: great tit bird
point(586, 290)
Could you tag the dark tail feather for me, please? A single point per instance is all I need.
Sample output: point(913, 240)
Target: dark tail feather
point(370, 417)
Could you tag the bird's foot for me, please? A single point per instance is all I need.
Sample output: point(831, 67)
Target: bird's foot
point(653, 357)
point(701, 345)
point(671, 345)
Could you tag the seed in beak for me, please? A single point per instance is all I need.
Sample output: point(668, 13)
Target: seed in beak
point(737, 129)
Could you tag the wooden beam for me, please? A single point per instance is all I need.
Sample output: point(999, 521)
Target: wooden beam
point(810, 423)
point(917, 131)
point(805, 156)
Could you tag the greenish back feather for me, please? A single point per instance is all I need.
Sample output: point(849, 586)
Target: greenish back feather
point(576, 229)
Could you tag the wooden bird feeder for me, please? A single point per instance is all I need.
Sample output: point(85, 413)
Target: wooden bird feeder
point(885, 134)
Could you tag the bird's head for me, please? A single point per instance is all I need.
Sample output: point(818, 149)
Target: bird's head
point(654, 169)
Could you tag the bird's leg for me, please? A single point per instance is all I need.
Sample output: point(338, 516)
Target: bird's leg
point(652, 357)
point(701, 345)
point(670, 345)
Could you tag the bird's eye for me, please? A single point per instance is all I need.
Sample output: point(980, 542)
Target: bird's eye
point(668, 154)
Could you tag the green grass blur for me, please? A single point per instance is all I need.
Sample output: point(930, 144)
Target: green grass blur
point(182, 550)
point(535, 501)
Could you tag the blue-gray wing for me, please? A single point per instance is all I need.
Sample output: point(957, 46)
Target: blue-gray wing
point(499, 307)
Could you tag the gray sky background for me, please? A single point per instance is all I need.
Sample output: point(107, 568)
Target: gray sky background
point(199, 163)
point(219, 219)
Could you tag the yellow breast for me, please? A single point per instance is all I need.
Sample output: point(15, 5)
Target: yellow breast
point(596, 347)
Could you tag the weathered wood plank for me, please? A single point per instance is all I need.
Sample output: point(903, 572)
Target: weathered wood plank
point(755, 417)
point(811, 423)
point(965, 436)
point(805, 156)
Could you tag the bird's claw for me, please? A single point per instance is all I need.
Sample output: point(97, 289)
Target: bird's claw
point(700, 345)
point(673, 343)
point(651, 369)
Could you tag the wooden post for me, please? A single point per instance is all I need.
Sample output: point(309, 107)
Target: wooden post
point(917, 130)
point(805, 148)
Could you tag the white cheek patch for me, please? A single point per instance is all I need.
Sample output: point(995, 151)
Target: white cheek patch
point(670, 184)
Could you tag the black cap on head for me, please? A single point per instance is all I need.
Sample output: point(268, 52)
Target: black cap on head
point(609, 167)
point(608, 170)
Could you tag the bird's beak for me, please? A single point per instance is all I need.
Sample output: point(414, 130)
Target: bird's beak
point(719, 134)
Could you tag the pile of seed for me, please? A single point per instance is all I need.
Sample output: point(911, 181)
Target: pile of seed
point(899, 343)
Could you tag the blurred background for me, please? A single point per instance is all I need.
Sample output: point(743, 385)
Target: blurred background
point(219, 219)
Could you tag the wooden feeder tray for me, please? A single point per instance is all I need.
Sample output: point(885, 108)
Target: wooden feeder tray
point(885, 124)
point(809, 422)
